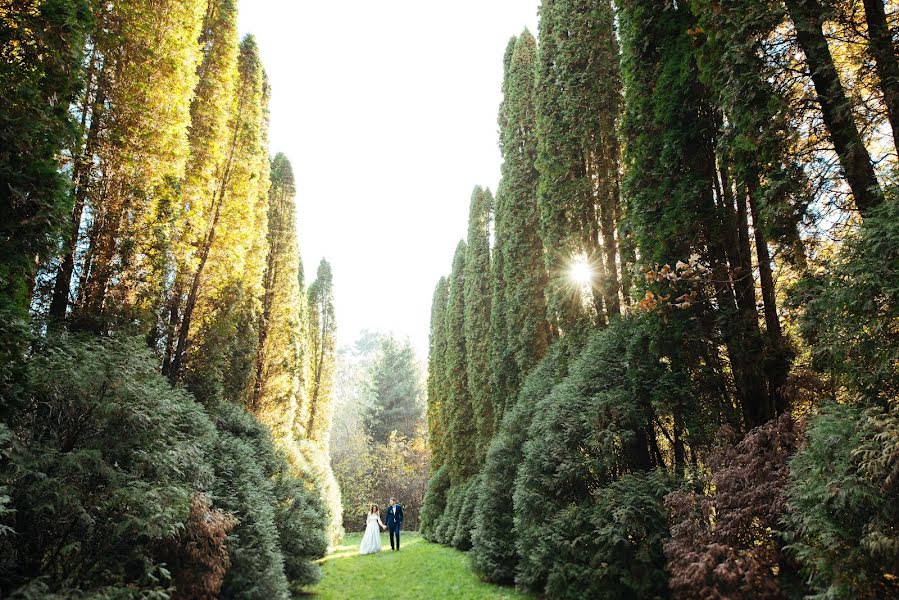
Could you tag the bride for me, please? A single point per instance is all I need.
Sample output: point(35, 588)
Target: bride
point(371, 541)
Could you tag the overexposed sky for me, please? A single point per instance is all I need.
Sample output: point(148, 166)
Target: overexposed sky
point(387, 111)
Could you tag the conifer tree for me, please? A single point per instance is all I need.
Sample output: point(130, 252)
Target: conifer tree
point(216, 283)
point(517, 220)
point(315, 421)
point(395, 394)
point(578, 103)
point(437, 382)
point(477, 316)
point(808, 17)
point(132, 146)
point(40, 54)
point(322, 331)
point(208, 138)
point(145, 57)
point(280, 352)
point(461, 431)
point(676, 209)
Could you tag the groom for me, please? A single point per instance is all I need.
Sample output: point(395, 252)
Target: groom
point(394, 522)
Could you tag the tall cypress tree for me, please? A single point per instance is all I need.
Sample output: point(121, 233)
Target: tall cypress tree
point(675, 207)
point(578, 103)
point(41, 46)
point(209, 139)
point(322, 352)
point(523, 278)
point(477, 315)
point(437, 382)
point(149, 56)
point(279, 355)
point(461, 431)
point(314, 423)
point(134, 118)
point(215, 284)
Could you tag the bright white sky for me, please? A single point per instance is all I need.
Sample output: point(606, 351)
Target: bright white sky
point(387, 111)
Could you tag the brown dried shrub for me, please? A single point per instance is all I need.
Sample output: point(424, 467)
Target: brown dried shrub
point(198, 557)
point(724, 543)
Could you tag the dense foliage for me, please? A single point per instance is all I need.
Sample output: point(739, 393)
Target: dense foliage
point(695, 229)
point(167, 379)
point(119, 481)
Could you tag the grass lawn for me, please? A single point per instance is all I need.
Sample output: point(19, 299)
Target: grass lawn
point(419, 570)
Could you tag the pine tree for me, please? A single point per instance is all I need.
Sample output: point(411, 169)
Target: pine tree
point(395, 395)
point(578, 104)
point(461, 432)
point(524, 276)
point(437, 382)
point(477, 316)
point(41, 46)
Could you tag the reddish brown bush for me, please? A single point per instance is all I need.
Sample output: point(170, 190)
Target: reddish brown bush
point(198, 558)
point(723, 542)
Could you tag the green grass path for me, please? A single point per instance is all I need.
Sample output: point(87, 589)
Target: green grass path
point(419, 570)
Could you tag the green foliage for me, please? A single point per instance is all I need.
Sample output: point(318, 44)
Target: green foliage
point(437, 382)
point(523, 276)
point(434, 504)
point(610, 548)
point(468, 497)
point(106, 466)
point(477, 315)
point(494, 555)
point(394, 402)
point(578, 102)
point(851, 309)
point(461, 431)
point(585, 434)
point(245, 462)
point(302, 519)
point(842, 503)
point(105, 460)
point(41, 46)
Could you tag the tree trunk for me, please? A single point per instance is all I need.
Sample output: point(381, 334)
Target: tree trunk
point(191, 303)
point(835, 107)
point(62, 285)
point(880, 44)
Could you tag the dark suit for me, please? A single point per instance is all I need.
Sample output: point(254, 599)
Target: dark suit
point(394, 522)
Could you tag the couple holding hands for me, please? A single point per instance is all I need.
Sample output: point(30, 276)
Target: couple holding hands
point(371, 541)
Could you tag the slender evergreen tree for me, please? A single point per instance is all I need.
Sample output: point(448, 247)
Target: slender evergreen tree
point(578, 103)
point(41, 47)
point(477, 315)
point(209, 141)
point(217, 279)
point(146, 57)
point(280, 345)
point(461, 431)
point(523, 275)
point(437, 382)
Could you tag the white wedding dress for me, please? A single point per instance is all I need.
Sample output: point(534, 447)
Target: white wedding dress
point(371, 541)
